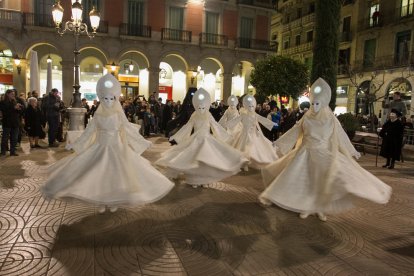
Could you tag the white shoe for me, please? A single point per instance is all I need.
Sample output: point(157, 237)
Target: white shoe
point(304, 215)
point(322, 217)
point(195, 186)
point(113, 209)
point(246, 168)
point(102, 209)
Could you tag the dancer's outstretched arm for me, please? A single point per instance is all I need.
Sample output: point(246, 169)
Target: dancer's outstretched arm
point(218, 131)
point(185, 132)
point(265, 122)
point(86, 139)
point(288, 140)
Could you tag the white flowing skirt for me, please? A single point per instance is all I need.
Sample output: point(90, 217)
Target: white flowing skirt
point(107, 174)
point(256, 148)
point(202, 159)
point(309, 180)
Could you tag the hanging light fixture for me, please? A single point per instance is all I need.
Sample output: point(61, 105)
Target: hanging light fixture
point(131, 66)
point(49, 59)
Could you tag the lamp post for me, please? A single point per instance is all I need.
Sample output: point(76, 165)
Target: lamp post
point(76, 26)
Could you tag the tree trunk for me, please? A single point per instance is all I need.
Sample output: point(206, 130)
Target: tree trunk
point(325, 49)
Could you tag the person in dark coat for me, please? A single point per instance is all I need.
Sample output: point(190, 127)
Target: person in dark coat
point(11, 111)
point(166, 114)
point(183, 116)
point(33, 123)
point(392, 136)
point(51, 108)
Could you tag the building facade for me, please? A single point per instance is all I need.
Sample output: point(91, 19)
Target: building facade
point(374, 59)
point(160, 46)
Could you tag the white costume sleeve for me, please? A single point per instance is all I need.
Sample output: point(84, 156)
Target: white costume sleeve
point(218, 131)
point(288, 140)
point(185, 132)
point(265, 122)
point(344, 144)
point(86, 139)
point(133, 138)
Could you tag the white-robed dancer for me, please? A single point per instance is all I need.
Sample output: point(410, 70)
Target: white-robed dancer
point(106, 167)
point(230, 114)
point(319, 176)
point(202, 157)
point(250, 140)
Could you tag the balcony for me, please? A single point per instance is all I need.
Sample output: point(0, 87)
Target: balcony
point(213, 39)
point(10, 18)
point(385, 62)
point(305, 47)
point(369, 23)
point(267, 4)
point(176, 35)
point(40, 20)
point(310, 18)
point(256, 44)
point(344, 37)
point(135, 30)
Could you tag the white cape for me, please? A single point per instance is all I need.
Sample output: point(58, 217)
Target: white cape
point(201, 156)
point(106, 167)
point(319, 175)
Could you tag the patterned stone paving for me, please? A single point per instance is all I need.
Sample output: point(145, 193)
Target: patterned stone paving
point(221, 230)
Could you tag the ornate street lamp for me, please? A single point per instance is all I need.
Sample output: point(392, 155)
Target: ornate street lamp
point(76, 26)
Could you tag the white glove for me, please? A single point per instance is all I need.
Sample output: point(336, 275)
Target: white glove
point(68, 147)
point(357, 155)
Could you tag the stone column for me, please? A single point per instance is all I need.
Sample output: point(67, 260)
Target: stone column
point(153, 80)
point(227, 78)
point(67, 81)
point(19, 79)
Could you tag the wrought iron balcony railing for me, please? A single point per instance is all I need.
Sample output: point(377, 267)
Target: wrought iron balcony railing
point(135, 30)
point(213, 39)
point(175, 35)
point(298, 49)
point(256, 44)
point(36, 19)
point(404, 59)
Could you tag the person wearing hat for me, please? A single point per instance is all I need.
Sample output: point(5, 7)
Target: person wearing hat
point(392, 138)
point(106, 168)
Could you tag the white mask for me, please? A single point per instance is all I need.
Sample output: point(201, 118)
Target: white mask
point(201, 108)
point(108, 101)
point(251, 108)
point(316, 105)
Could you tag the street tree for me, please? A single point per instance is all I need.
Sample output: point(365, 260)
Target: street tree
point(325, 45)
point(279, 75)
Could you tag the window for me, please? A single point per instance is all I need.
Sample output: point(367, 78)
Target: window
point(346, 25)
point(299, 13)
point(135, 12)
point(401, 56)
point(286, 43)
point(406, 8)
point(369, 52)
point(87, 7)
point(374, 15)
point(312, 8)
point(43, 12)
point(343, 60)
point(297, 40)
point(246, 31)
point(308, 62)
point(309, 36)
point(176, 18)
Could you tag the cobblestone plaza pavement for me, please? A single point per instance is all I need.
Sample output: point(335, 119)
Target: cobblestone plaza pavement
point(221, 230)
